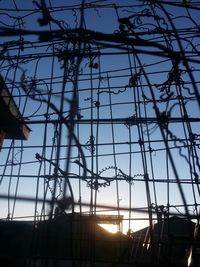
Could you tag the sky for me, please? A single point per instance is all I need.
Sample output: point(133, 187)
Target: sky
point(131, 93)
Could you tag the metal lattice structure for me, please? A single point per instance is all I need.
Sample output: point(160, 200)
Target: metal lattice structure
point(110, 91)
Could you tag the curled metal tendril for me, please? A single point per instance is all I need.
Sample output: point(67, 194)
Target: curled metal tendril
point(90, 144)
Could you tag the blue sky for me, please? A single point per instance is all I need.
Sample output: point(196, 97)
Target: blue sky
point(112, 84)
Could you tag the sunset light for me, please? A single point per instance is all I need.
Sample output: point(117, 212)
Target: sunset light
point(189, 261)
point(112, 228)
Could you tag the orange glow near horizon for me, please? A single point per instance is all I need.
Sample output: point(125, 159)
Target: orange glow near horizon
point(112, 228)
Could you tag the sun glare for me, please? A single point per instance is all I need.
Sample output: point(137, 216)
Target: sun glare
point(112, 228)
point(189, 258)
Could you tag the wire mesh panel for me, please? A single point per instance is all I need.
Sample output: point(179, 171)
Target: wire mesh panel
point(104, 97)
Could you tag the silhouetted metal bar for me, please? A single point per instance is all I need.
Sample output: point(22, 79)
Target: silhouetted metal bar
point(127, 121)
point(100, 206)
